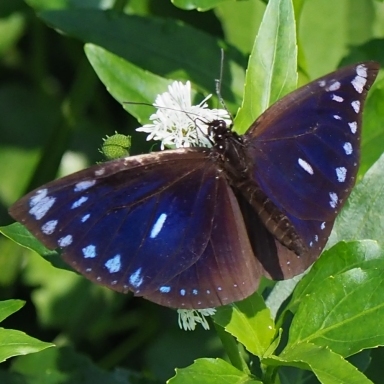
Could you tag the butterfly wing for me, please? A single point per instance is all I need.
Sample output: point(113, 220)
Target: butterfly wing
point(305, 150)
point(144, 223)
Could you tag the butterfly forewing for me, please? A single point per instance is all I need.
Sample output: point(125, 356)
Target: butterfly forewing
point(305, 149)
point(138, 223)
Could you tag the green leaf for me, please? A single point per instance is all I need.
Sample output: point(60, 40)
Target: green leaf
point(372, 145)
point(364, 254)
point(127, 82)
point(250, 322)
point(20, 235)
point(272, 66)
point(13, 343)
point(8, 307)
point(200, 5)
point(364, 208)
point(64, 365)
point(166, 47)
point(343, 313)
point(329, 367)
point(211, 371)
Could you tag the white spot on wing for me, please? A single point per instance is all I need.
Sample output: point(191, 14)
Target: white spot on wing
point(40, 194)
point(306, 166)
point(341, 173)
point(136, 279)
point(334, 86)
point(65, 241)
point(165, 289)
point(353, 126)
point(40, 204)
point(49, 227)
point(358, 83)
point(113, 265)
point(83, 185)
point(334, 199)
point(348, 148)
point(158, 226)
point(361, 70)
point(339, 99)
point(336, 117)
point(322, 226)
point(321, 83)
point(79, 202)
point(356, 106)
point(182, 292)
point(89, 251)
point(85, 218)
point(99, 172)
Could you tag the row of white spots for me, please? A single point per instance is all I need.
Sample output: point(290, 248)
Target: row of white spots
point(79, 202)
point(83, 185)
point(341, 172)
point(158, 226)
point(41, 203)
point(316, 238)
point(306, 166)
point(49, 227)
point(360, 80)
point(89, 251)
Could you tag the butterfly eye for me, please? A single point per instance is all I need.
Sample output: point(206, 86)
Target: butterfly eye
point(198, 227)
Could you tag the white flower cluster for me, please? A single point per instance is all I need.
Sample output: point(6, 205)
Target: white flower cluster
point(177, 123)
point(188, 318)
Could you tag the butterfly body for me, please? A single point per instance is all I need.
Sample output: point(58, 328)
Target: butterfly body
point(198, 227)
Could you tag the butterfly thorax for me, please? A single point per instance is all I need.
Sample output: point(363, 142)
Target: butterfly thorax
point(231, 154)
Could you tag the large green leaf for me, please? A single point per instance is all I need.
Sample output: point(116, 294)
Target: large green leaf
point(272, 66)
point(211, 371)
point(343, 312)
point(364, 254)
point(164, 47)
point(12, 342)
point(329, 367)
point(363, 215)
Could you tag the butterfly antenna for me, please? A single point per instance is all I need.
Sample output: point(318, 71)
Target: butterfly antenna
point(218, 83)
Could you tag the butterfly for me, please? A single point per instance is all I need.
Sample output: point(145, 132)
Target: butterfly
point(197, 227)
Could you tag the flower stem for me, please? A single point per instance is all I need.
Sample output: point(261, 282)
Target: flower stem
point(232, 349)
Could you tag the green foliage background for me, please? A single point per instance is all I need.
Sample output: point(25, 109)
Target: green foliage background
point(54, 112)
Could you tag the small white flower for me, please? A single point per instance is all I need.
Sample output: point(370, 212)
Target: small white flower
point(177, 123)
point(188, 318)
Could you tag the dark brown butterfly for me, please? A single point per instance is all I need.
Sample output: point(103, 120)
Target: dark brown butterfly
point(198, 227)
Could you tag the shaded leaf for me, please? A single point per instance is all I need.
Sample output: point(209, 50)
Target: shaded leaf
point(250, 322)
